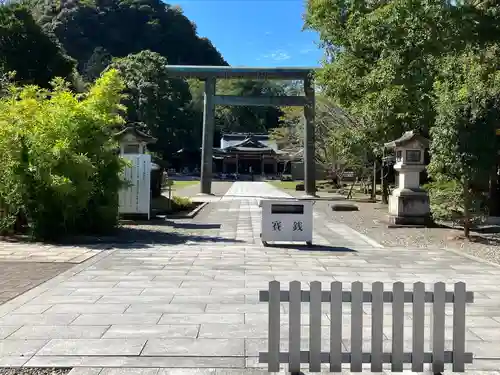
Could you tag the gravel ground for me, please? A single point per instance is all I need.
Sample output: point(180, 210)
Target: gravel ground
point(34, 371)
point(371, 221)
point(19, 277)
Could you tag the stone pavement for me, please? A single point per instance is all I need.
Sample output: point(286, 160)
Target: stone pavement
point(195, 305)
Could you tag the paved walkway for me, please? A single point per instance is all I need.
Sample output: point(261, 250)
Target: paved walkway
point(254, 191)
point(196, 305)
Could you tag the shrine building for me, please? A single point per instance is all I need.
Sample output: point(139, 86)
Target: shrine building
point(244, 153)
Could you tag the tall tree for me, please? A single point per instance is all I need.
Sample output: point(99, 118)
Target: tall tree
point(381, 57)
point(156, 100)
point(464, 146)
point(26, 49)
point(249, 119)
point(89, 29)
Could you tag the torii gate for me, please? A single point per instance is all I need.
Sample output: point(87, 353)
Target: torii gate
point(210, 74)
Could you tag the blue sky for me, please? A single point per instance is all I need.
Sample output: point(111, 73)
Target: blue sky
point(255, 32)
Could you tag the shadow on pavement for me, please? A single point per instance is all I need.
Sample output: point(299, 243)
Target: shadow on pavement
point(143, 234)
point(143, 238)
point(173, 224)
point(335, 249)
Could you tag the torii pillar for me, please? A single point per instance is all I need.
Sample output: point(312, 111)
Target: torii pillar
point(208, 136)
point(309, 141)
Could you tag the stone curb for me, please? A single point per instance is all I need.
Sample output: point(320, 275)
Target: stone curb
point(191, 214)
point(471, 257)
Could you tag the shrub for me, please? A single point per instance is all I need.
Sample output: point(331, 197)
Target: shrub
point(59, 162)
point(181, 203)
point(447, 202)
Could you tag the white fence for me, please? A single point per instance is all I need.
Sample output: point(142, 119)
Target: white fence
point(136, 199)
point(377, 297)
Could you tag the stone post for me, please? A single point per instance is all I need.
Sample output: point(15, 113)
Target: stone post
point(309, 159)
point(208, 136)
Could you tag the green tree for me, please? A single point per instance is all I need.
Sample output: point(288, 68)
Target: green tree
point(96, 64)
point(123, 27)
point(463, 148)
point(240, 119)
point(60, 168)
point(340, 139)
point(248, 118)
point(156, 100)
point(27, 50)
point(381, 55)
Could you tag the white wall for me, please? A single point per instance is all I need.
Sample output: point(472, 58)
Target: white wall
point(136, 199)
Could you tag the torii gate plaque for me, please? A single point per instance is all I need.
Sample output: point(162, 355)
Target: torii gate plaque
point(210, 74)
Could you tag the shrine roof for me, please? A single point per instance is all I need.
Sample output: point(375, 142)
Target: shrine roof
point(250, 141)
point(140, 135)
point(242, 136)
point(406, 138)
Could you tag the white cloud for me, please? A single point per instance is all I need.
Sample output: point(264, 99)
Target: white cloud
point(278, 55)
point(305, 51)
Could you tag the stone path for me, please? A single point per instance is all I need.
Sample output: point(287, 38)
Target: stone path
point(195, 305)
point(254, 191)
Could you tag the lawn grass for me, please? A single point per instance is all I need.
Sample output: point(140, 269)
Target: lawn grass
point(181, 184)
point(290, 185)
point(286, 185)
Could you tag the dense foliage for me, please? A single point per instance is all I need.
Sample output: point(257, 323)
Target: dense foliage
point(464, 146)
point(156, 100)
point(91, 31)
point(142, 36)
point(424, 65)
point(60, 168)
point(26, 50)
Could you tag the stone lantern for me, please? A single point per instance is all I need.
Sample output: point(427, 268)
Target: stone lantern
point(409, 203)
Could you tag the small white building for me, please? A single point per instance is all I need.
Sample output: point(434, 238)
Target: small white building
point(136, 197)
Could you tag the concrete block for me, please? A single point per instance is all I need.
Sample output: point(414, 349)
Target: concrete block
point(129, 371)
point(87, 347)
point(142, 299)
point(38, 320)
point(98, 308)
point(20, 348)
point(152, 331)
point(59, 332)
point(195, 347)
point(109, 319)
point(6, 331)
point(166, 308)
point(201, 318)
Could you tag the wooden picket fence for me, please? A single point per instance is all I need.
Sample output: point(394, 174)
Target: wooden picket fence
point(439, 297)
